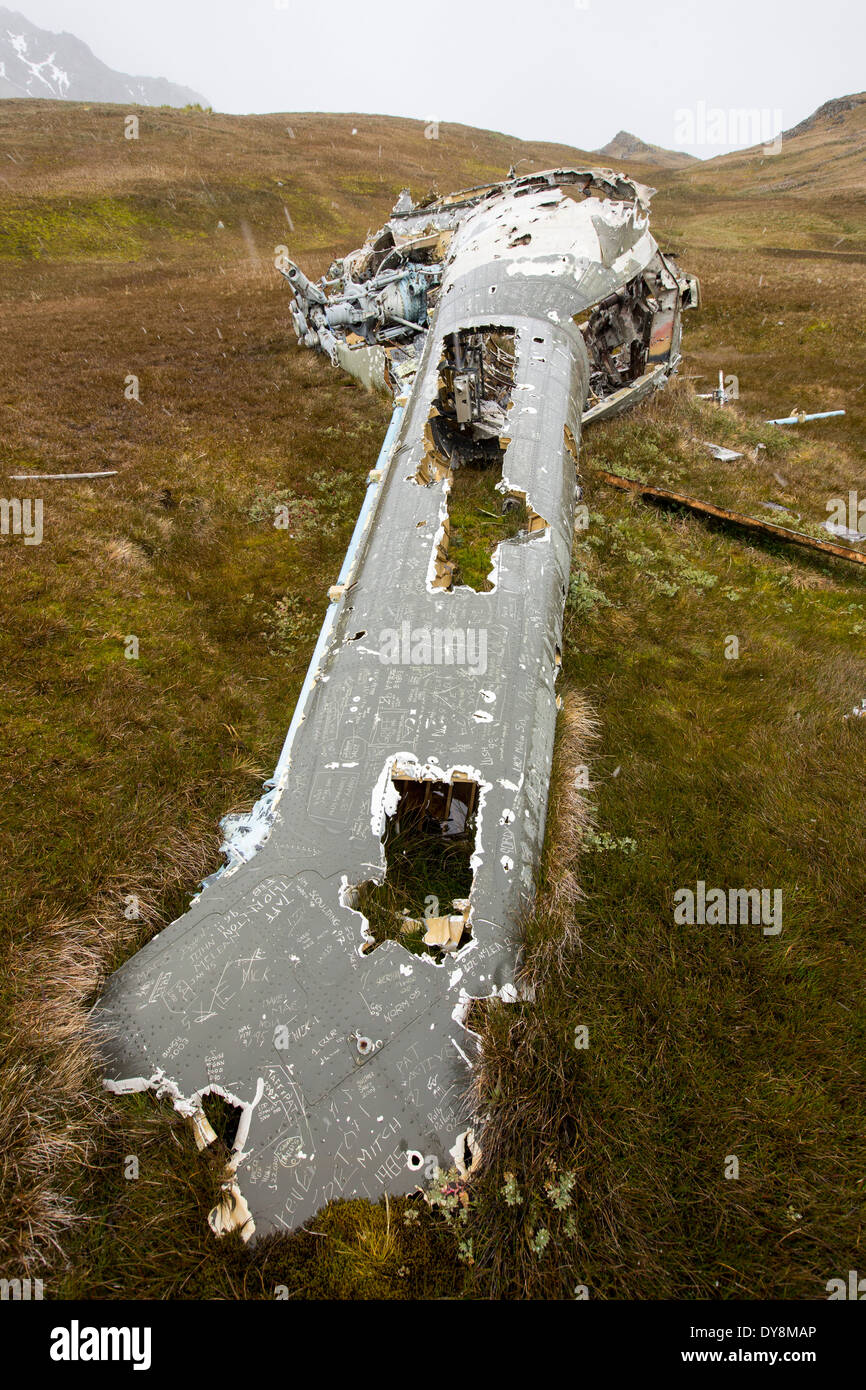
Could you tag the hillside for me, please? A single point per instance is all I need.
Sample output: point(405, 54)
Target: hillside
point(824, 156)
point(150, 262)
point(780, 244)
point(346, 160)
point(630, 148)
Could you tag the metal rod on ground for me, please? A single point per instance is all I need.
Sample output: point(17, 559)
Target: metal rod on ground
point(800, 417)
point(751, 523)
point(41, 477)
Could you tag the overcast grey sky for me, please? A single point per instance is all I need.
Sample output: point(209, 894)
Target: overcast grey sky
point(575, 71)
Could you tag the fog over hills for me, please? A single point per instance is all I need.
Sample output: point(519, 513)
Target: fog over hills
point(36, 63)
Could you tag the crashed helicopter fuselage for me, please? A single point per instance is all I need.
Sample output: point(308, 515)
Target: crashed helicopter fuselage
point(320, 981)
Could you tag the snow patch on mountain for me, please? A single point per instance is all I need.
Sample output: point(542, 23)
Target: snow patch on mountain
point(60, 67)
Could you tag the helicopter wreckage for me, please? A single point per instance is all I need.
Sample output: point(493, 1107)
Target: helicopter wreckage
point(320, 982)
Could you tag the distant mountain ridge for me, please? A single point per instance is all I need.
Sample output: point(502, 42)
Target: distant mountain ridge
point(37, 63)
point(825, 154)
point(831, 113)
point(624, 145)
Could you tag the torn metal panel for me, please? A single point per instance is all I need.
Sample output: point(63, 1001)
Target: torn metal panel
point(722, 394)
point(719, 452)
point(313, 985)
point(749, 523)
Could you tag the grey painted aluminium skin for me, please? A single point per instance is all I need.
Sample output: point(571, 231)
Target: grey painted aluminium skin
point(351, 1068)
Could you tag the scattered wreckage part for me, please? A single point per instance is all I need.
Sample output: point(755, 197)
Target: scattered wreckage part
point(61, 477)
point(720, 394)
point(843, 533)
point(779, 507)
point(231, 1213)
point(347, 1050)
point(750, 523)
point(467, 1154)
point(719, 452)
point(203, 1130)
point(799, 417)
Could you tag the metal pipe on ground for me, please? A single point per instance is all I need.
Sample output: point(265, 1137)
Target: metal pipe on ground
point(750, 523)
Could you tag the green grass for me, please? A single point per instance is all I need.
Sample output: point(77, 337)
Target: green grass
point(478, 524)
point(420, 865)
point(72, 229)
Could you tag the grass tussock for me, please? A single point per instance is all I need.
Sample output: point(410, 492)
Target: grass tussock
point(525, 1080)
point(51, 1107)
